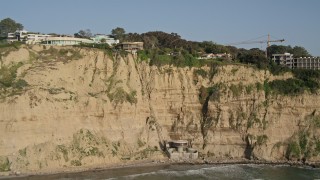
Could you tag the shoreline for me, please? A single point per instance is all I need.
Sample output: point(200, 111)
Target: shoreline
point(154, 163)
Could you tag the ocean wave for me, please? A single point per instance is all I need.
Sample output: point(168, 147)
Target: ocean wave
point(232, 171)
point(245, 171)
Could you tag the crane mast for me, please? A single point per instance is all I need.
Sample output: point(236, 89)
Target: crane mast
point(268, 43)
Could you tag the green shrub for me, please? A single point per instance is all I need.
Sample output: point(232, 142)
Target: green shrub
point(200, 72)
point(75, 55)
point(8, 74)
point(141, 143)
point(316, 121)
point(109, 52)
point(63, 149)
point(278, 69)
point(181, 58)
point(259, 86)
point(131, 98)
point(15, 45)
point(249, 88)
point(203, 94)
point(234, 70)
point(4, 164)
point(120, 95)
point(213, 92)
point(287, 87)
point(306, 74)
point(304, 80)
point(213, 70)
point(262, 139)
point(266, 88)
point(94, 151)
point(310, 78)
point(252, 119)
point(317, 148)
point(303, 141)
point(23, 152)
point(76, 163)
point(51, 50)
point(293, 150)
point(160, 60)
point(236, 89)
point(20, 84)
point(123, 53)
point(142, 55)
point(190, 60)
point(63, 52)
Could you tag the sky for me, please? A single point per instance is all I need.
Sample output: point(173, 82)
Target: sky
point(220, 21)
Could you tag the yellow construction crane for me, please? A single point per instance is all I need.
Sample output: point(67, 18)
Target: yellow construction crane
point(261, 42)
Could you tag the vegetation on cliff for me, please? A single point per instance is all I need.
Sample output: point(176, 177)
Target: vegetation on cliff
point(4, 164)
point(305, 143)
point(304, 80)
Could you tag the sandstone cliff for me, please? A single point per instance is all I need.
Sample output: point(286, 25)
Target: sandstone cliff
point(66, 107)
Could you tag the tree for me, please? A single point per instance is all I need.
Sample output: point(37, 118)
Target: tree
point(118, 33)
point(211, 47)
point(84, 34)
point(132, 37)
point(150, 42)
point(233, 51)
point(299, 51)
point(8, 25)
point(253, 56)
point(278, 49)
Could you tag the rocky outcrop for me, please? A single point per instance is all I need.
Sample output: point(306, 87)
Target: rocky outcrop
point(85, 107)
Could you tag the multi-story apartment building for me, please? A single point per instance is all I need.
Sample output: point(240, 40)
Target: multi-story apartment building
point(288, 60)
point(306, 63)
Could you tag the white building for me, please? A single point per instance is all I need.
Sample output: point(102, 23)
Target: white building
point(288, 60)
point(19, 35)
point(36, 38)
point(283, 59)
point(306, 63)
point(29, 38)
point(101, 38)
point(65, 41)
point(11, 37)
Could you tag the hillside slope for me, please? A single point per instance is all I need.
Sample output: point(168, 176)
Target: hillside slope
point(65, 107)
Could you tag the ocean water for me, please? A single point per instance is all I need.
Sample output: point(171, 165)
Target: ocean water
point(187, 172)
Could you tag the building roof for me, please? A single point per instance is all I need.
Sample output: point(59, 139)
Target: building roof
point(67, 39)
point(132, 43)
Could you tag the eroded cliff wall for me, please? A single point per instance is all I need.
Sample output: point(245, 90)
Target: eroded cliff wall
point(84, 107)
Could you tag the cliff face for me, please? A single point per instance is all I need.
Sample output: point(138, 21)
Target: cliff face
point(83, 107)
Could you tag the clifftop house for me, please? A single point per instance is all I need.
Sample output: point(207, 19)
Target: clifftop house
point(132, 47)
